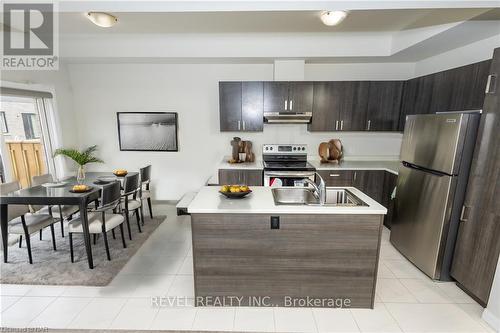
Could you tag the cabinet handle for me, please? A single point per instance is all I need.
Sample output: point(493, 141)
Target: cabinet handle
point(243, 125)
point(336, 125)
point(286, 104)
point(291, 105)
point(334, 175)
point(462, 214)
point(341, 125)
point(490, 88)
point(354, 177)
point(239, 125)
point(368, 125)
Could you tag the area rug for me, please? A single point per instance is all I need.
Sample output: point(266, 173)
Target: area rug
point(55, 268)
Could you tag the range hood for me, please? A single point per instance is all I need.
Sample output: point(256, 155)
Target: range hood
point(287, 117)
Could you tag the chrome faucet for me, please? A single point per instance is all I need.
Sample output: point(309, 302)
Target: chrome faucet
point(319, 189)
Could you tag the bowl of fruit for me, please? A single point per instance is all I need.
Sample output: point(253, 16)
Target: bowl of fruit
point(120, 172)
point(235, 191)
point(80, 188)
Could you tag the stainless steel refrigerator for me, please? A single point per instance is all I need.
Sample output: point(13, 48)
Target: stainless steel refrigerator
point(436, 154)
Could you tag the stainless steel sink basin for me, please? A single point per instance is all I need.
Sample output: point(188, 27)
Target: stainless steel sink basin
point(305, 196)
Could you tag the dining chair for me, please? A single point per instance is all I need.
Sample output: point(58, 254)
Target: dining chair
point(131, 200)
point(64, 211)
point(102, 219)
point(22, 222)
point(146, 187)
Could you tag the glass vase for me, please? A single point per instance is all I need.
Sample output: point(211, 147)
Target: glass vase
point(80, 174)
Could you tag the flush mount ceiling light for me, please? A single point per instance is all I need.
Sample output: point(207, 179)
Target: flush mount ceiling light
point(101, 19)
point(334, 17)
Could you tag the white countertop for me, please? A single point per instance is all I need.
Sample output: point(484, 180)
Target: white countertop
point(260, 201)
point(390, 166)
point(256, 165)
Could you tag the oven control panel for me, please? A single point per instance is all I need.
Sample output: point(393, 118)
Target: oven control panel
point(284, 149)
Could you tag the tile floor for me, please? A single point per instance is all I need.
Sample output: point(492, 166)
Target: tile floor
point(406, 300)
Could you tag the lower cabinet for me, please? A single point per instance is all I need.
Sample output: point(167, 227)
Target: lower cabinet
point(337, 177)
point(390, 181)
point(241, 176)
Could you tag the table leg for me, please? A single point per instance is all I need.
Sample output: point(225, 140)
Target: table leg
point(5, 235)
point(86, 234)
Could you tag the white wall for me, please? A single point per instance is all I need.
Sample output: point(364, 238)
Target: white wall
point(192, 90)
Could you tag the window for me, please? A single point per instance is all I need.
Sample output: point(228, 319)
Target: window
point(3, 122)
point(31, 126)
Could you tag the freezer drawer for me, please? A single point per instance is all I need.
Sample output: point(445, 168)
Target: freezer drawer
point(422, 212)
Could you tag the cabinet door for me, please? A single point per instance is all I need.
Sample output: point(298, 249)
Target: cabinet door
point(478, 247)
point(337, 177)
point(354, 105)
point(275, 96)
point(384, 105)
point(230, 106)
point(370, 182)
point(416, 98)
point(300, 97)
point(240, 177)
point(326, 106)
point(390, 181)
point(252, 106)
point(252, 177)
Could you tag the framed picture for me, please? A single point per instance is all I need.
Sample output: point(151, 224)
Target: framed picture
point(147, 131)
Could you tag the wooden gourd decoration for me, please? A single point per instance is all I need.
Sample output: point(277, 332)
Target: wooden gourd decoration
point(331, 151)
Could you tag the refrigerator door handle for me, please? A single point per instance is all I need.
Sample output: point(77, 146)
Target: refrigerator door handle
point(419, 168)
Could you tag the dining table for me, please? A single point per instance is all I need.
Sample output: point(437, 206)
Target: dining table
point(60, 194)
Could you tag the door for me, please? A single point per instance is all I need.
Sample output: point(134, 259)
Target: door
point(354, 106)
point(326, 106)
point(300, 97)
point(252, 106)
point(337, 177)
point(370, 182)
point(421, 216)
point(478, 247)
point(230, 106)
point(384, 105)
point(276, 96)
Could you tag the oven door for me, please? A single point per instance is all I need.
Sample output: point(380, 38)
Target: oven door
point(286, 178)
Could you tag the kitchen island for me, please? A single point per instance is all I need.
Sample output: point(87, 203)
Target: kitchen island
point(253, 252)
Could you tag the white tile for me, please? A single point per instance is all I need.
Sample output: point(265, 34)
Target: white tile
point(25, 310)
point(475, 311)
point(294, 320)
point(392, 290)
point(78, 291)
point(14, 289)
point(456, 294)
point(384, 271)
point(248, 319)
point(7, 301)
point(387, 251)
point(433, 318)
point(174, 318)
point(98, 314)
point(46, 291)
point(334, 320)
point(214, 319)
point(425, 291)
point(166, 265)
point(187, 266)
point(61, 312)
point(139, 265)
point(183, 285)
point(153, 285)
point(404, 269)
point(136, 314)
point(377, 320)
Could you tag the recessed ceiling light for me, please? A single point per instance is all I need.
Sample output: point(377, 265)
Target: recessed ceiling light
point(101, 19)
point(334, 17)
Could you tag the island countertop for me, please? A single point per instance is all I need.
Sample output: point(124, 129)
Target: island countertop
point(261, 201)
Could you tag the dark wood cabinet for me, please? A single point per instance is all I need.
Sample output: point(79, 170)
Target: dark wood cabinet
point(370, 182)
point(241, 106)
point(288, 96)
point(337, 177)
point(478, 247)
point(241, 177)
point(390, 181)
point(384, 105)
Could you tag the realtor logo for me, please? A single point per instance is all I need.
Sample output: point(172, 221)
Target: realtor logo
point(29, 37)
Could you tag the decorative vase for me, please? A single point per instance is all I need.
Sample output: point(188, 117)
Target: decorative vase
point(80, 174)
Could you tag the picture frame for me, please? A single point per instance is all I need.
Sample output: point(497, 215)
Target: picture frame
point(148, 131)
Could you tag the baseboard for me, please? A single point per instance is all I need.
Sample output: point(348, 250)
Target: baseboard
point(491, 319)
point(165, 202)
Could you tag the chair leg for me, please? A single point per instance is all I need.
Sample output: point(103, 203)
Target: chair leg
point(142, 214)
point(62, 221)
point(105, 236)
point(123, 236)
point(95, 239)
point(20, 241)
point(28, 246)
point(53, 234)
point(138, 220)
point(41, 234)
point(71, 247)
point(113, 233)
point(150, 208)
point(128, 225)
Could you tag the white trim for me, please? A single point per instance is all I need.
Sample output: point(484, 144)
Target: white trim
point(491, 319)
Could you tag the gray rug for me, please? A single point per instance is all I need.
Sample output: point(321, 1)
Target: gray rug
point(55, 268)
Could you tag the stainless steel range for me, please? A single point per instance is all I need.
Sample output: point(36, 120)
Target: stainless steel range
point(286, 165)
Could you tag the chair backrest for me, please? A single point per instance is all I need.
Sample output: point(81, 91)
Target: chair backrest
point(145, 174)
point(110, 196)
point(42, 179)
point(130, 184)
point(13, 210)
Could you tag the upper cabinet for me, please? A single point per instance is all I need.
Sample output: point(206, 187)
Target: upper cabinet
point(384, 105)
point(241, 106)
point(288, 96)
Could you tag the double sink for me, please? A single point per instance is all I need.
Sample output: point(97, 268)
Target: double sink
point(306, 196)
